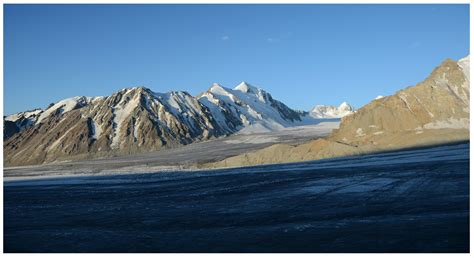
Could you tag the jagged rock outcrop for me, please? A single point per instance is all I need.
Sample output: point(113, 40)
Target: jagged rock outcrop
point(435, 111)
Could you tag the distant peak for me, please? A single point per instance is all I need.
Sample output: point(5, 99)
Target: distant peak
point(346, 107)
point(217, 88)
point(323, 111)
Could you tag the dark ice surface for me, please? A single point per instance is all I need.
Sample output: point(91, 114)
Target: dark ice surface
point(405, 201)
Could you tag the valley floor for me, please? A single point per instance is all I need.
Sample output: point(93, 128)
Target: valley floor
point(180, 158)
point(405, 201)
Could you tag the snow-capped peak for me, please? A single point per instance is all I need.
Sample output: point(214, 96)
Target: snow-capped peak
point(218, 89)
point(216, 85)
point(247, 106)
point(322, 111)
point(345, 106)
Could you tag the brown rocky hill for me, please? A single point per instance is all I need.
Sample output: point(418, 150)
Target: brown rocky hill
point(434, 111)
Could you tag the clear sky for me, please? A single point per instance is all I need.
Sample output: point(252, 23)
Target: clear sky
point(302, 54)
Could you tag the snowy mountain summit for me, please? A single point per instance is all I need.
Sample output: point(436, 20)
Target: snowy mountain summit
point(246, 88)
point(322, 111)
point(247, 108)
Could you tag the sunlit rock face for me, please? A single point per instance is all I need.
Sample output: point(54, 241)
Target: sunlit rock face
point(435, 111)
point(440, 102)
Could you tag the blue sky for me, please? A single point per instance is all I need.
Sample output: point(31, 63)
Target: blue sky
point(302, 54)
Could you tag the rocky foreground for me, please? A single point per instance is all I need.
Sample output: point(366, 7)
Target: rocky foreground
point(435, 111)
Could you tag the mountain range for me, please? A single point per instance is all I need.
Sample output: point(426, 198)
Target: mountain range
point(135, 120)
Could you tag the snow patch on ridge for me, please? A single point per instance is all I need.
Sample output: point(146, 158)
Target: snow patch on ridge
point(26, 114)
point(360, 132)
point(403, 97)
point(96, 130)
point(64, 106)
point(121, 112)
